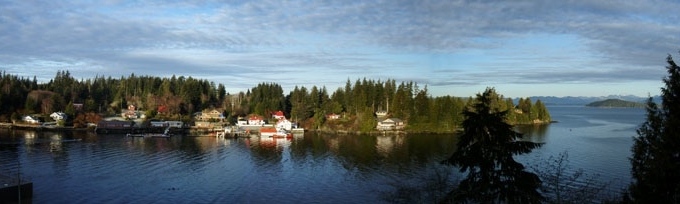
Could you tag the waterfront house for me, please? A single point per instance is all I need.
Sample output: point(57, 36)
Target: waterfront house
point(31, 119)
point(57, 116)
point(255, 120)
point(332, 116)
point(284, 124)
point(207, 115)
point(390, 124)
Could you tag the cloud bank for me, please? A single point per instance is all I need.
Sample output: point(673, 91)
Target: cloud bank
point(447, 45)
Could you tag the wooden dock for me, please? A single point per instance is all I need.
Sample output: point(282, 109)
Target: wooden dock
point(13, 189)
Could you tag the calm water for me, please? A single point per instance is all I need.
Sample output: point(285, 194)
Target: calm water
point(597, 140)
point(309, 168)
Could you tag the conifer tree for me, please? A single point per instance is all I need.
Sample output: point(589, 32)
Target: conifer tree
point(485, 151)
point(656, 151)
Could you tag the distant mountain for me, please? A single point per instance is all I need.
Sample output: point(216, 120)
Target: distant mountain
point(616, 103)
point(583, 100)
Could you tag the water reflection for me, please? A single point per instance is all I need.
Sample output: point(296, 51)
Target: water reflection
point(30, 137)
point(385, 144)
point(367, 152)
point(102, 167)
point(55, 143)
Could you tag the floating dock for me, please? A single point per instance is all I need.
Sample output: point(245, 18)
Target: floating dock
point(12, 188)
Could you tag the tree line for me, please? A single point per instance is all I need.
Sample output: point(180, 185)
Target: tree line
point(177, 98)
point(357, 102)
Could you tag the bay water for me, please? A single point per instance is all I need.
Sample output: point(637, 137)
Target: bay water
point(81, 167)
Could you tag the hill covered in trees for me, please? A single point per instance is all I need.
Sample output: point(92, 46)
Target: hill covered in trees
point(615, 103)
point(178, 98)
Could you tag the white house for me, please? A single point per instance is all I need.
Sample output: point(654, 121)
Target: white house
point(31, 119)
point(255, 120)
point(390, 124)
point(57, 116)
point(284, 124)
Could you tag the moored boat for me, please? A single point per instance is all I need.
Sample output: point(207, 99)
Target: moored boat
point(274, 132)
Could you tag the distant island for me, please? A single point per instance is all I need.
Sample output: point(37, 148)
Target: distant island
point(616, 103)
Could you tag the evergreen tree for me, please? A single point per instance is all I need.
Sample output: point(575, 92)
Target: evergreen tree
point(485, 151)
point(656, 151)
point(543, 114)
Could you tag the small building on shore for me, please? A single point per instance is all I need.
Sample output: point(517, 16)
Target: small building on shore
point(390, 124)
point(115, 126)
point(175, 124)
point(256, 120)
point(31, 119)
point(57, 116)
point(209, 115)
point(332, 116)
point(159, 124)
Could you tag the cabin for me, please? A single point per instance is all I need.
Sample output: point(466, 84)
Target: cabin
point(390, 124)
point(332, 116)
point(31, 119)
point(57, 116)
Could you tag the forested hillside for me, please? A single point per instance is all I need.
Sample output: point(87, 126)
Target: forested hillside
point(616, 103)
point(177, 98)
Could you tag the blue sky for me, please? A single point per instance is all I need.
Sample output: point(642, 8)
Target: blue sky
point(522, 48)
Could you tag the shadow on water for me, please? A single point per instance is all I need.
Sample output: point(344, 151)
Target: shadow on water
point(534, 133)
point(367, 152)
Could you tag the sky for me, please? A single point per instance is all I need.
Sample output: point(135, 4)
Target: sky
point(452, 47)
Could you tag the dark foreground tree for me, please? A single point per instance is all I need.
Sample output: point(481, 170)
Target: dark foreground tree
point(562, 184)
point(656, 151)
point(485, 151)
